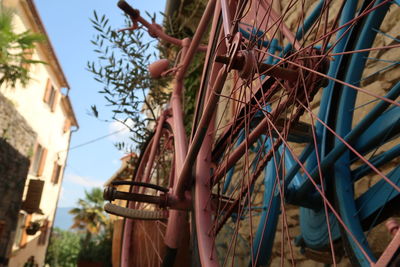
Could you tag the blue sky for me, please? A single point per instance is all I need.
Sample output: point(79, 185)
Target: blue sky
point(69, 29)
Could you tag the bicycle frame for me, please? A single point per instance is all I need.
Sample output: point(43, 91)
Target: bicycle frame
point(186, 155)
point(189, 48)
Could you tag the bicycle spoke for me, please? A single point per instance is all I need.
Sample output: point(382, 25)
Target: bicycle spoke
point(263, 108)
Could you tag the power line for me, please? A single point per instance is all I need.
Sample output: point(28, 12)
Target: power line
point(96, 139)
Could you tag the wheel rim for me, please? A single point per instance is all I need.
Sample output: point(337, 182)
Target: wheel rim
point(143, 241)
point(354, 208)
point(324, 241)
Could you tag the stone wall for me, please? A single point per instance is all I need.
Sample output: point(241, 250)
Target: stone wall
point(17, 140)
point(14, 128)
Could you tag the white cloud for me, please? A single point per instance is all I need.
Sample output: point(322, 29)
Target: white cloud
point(123, 134)
point(82, 181)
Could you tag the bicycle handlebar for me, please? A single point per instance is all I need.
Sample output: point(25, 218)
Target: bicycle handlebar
point(124, 6)
point(153, 29)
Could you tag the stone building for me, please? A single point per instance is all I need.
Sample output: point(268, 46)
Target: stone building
point(36, 123)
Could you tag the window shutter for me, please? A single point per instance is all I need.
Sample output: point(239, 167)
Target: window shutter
point(33, 196)
point(56, 173)
point(55, 101)
point(42, 162)
point(44, 232)
point(67, 125)
point(47, 92)
point(53, 176)
point(24, 237)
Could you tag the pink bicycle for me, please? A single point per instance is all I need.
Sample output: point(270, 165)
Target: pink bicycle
point(297, 119)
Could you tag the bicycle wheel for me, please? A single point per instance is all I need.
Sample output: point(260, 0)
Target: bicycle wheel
point(143, 239)
point(285, 113)
point(367, 191)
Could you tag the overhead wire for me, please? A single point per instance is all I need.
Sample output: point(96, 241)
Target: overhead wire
point(94, 140)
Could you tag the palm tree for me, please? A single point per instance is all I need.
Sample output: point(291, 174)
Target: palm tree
point(89, 216)
point(15, 50)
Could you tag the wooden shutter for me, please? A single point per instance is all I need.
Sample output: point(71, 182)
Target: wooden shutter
point(67, 125)
point(24, 235)
point(47, 91)
point(33, 196)
point(42, 162)
point(56, 173)
point(55, 101)
point(53, 176)
point(44, 232)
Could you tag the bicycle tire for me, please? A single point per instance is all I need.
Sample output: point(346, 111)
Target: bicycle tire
point(135, 227)
point(351, 203)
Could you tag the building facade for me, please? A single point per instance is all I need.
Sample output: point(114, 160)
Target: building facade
point(36, 122)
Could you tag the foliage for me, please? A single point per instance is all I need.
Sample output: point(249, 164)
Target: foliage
point(183, 24)
point(66, 248)
point(15, 51)
point(122, 69)
point(89, 215)
point(95, 227)
point(99, 249)
point(63, 248)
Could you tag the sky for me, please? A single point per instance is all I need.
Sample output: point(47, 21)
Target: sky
point(70, 31)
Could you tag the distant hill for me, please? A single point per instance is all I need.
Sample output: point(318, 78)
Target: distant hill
point(63, 219)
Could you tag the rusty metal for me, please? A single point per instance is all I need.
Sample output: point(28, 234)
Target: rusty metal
point(239, 62)
point(234, 48)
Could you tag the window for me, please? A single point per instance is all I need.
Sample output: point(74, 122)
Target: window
point(39, 159)
point(21, 237)
point(20, 228)
point(50, 95)
point(56, 173)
